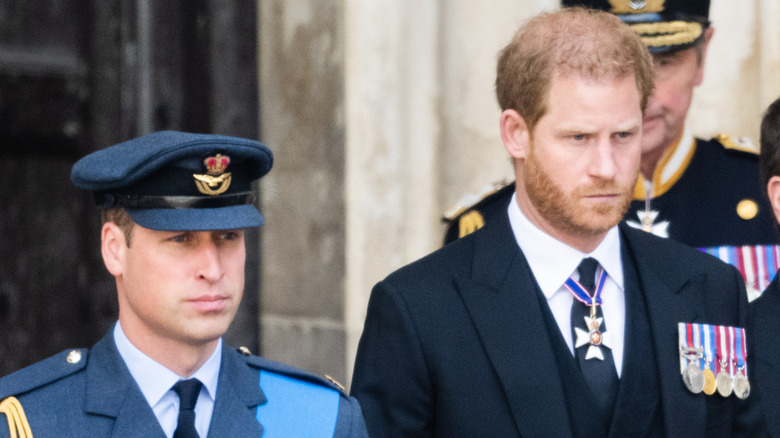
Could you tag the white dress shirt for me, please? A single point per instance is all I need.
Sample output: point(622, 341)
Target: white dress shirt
point(552, 262)
point(156, 381)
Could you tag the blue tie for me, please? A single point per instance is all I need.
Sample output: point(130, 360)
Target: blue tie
point(187, 391)
point(600, 375)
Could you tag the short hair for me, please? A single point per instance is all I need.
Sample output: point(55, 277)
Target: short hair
point(122, 219)
point(590, 43)
point(769, 158)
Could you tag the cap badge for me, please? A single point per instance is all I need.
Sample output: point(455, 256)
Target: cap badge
point(217, 180)
point(636, 6)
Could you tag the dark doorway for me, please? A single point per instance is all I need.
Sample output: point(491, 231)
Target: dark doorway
point(77, 76)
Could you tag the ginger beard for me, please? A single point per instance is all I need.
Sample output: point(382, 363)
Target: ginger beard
point(570, 211)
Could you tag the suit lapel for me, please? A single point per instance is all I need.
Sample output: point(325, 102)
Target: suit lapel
point(672, 297)
point(500, 295)
point(238, 394)
point(112, 392)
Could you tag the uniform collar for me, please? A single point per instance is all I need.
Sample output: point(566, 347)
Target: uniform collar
point(670, 168)
point(154, 379)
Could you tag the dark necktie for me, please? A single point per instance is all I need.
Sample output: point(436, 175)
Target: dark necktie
point(600, 375)
point(188, 391)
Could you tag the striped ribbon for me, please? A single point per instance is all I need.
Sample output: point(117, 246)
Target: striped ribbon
point(758, 264)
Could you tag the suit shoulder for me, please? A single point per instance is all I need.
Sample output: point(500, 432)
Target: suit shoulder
point(290, 374)
point(43, 373)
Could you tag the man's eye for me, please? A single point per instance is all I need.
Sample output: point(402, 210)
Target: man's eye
point(180, 238)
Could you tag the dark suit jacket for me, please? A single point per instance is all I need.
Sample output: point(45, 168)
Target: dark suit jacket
point(97, 397)
point(455, 344)
point(766, 373)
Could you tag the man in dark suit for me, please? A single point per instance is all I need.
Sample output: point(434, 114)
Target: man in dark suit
point(701, 192)
point(553, 321)
point(766, 309)
point(175, 206)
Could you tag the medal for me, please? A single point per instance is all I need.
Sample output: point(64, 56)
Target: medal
point(592, 336)
point(693, 378)
point(709, 376)
point(741, 383)
point(723, 379)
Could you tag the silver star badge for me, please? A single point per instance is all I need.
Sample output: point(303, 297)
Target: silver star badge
point(647, 223)
point(593, 337)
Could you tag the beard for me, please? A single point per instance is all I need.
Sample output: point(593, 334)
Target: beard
point(564, 211)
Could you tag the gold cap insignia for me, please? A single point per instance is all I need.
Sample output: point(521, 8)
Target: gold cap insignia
point(636, 6)
point(747, 209)
point(217, 180)
point(73, 357)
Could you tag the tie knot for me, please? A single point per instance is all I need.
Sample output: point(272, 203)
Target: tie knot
point(587, 270)
point(188, 391)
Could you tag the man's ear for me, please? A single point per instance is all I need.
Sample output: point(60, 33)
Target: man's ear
point(515, 134)
point(773, 190)
point(113, 247)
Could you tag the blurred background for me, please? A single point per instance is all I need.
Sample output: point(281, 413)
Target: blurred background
point(380, 113)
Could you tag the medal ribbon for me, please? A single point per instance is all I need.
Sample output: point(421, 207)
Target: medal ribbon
point(732, 352)
point(724, 350)
point(709, 347)
point(758, 264)
point(718, 348)
point(741, 351)
point(581, 295)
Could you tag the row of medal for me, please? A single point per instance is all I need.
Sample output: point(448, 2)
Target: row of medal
point(713, 359)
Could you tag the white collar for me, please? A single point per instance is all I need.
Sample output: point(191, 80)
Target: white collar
point(155, 379)
point(552, 261)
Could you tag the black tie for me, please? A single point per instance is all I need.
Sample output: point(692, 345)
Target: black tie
point(188, 391)
point(600, 375)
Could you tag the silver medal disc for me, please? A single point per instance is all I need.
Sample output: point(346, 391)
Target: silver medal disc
point(725, 385)
point(693, 378)
point(741, 386)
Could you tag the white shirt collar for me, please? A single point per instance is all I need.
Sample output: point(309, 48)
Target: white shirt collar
point(552, 261)
point(155, 379)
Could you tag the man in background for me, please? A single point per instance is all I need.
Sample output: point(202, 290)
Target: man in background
point(766, 310)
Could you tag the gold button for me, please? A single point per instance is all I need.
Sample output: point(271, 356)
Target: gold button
point(74, 357)
point(747, 209)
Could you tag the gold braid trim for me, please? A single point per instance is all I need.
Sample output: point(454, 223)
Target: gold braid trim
point(668, 33)
point(470, 222)
point(17, 420)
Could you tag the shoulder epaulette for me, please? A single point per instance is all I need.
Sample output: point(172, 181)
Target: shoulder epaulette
point(44, 372)
point(742, 144)
point(18, 426)
point(469, 201)
point(291, 372)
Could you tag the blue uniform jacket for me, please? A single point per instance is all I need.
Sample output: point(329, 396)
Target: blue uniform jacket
point(97, 397)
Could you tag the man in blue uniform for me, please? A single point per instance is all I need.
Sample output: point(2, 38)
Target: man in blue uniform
point(766, 309)
point(552, 320)
point(175, 206)
point(704, 193)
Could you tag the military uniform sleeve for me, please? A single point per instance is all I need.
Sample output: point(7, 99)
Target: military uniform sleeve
point(350, 422)
point(391, 380)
